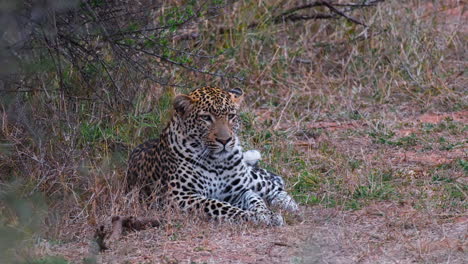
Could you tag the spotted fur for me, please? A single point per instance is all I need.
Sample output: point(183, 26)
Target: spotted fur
point(198, 163)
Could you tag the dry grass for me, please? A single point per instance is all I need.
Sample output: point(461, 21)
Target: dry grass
point(368, 126)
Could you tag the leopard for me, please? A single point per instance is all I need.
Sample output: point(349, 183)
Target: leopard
point(198, 163)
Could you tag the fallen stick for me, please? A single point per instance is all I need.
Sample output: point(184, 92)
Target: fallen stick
point(119, 225)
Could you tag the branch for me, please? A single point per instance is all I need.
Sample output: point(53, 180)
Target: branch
point(120, 224)
point(289, 14)
point(297, 8)
point(365, 4)
point(182, 65)
point(294, 17)
point(333, 9)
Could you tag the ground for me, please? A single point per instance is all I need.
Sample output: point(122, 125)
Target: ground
point(381, 230)
point(381, 233)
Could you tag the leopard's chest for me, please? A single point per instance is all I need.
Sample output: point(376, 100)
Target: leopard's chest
point(216, 180)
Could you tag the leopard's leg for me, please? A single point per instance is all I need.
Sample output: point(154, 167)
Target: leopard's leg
point(270, 187)
point(220, 210)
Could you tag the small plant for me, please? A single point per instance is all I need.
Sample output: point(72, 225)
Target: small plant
point(464, 164)
point(303, 189)
point(48, 260)
point(448, 124)
point(382, 137)
point(353, 205)
point(379, 187)
point(405, 142)
point(437, 178)
point(354, 164)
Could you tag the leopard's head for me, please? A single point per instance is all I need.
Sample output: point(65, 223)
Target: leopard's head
point(208, 119)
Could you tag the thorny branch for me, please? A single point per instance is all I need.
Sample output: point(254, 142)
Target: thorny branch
point(111, 37)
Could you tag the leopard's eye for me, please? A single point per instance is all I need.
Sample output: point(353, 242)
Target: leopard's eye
point(231, 116)
point(205, 117)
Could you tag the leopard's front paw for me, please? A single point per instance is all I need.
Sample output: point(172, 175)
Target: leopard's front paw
point(268, 218)
point(285, 202)
point(276, 220)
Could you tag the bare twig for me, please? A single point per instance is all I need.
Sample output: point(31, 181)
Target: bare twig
point(282, 111)
point(335, 10)
point(368, 3)
point(194, 69)
point(295, 17)
point(297, 8)
point(289, 14)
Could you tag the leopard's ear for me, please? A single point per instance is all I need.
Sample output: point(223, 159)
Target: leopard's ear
point(182, 104)
point(237, 96)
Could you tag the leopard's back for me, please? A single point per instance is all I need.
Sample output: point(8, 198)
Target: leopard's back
point(148, 170)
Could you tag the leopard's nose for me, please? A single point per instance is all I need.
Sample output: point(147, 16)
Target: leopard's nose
point(224, 141)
